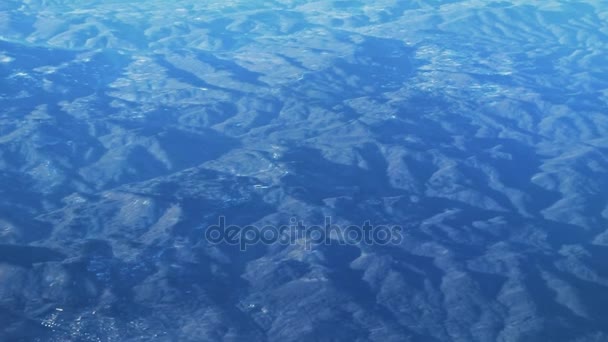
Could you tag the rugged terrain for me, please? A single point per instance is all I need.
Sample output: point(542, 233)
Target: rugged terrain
point(128, 127)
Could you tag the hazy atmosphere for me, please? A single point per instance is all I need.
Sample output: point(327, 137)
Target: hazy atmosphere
point(303, 170)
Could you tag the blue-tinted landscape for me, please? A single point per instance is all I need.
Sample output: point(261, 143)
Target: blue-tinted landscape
point(473, 134)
